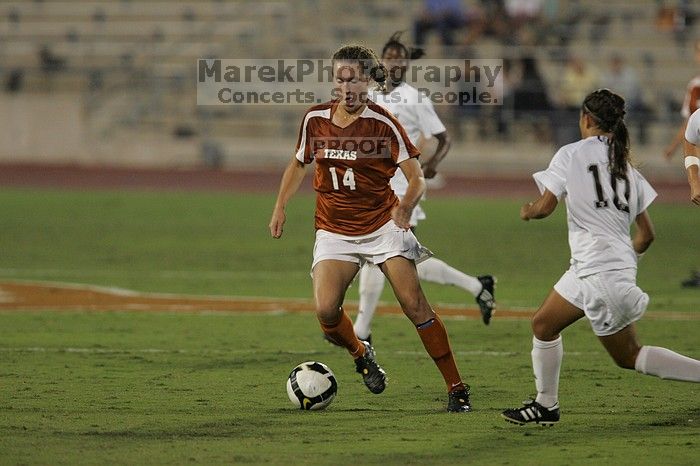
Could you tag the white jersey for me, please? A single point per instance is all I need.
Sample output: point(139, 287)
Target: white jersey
point(415, 112)
point(692, 131)
point(600, 210)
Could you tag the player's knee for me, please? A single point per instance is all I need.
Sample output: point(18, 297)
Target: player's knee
point(627, 359)
point(417, 310)
point(542, 328)
point(328, 313)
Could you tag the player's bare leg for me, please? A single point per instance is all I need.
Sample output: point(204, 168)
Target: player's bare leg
point(403, 276)
point(331, 281)
point(625, 349)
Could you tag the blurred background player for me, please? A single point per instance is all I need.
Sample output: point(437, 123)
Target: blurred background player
point(416, 114)
point(691, 102)
point(604, 196)
point(692, 165)
point(692, 151)
point(359, 219)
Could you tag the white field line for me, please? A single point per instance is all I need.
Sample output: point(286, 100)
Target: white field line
point(39, 349)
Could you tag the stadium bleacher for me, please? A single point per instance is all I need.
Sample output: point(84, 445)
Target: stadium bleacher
point(132, 65)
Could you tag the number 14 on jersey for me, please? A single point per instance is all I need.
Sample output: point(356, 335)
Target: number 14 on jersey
point(348, 179)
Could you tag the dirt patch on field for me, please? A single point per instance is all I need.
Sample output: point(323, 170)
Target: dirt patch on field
point(36, 296)
point(69, 297)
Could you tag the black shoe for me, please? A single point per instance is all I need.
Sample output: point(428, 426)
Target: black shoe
point(486, 299)
point(458, 401)
point(532, 411)
point(373, 375)
point(693, 281)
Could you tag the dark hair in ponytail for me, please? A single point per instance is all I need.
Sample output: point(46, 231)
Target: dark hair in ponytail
point(366, 58)
point(607, 109)
point(394, 42)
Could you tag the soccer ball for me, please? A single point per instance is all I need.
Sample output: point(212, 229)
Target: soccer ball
point(311, 385)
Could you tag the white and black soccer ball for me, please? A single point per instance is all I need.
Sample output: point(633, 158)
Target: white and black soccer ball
point(311, 385)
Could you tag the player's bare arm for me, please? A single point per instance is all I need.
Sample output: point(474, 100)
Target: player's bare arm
point(416, 188)
point(645, 233)
point(540, 208)
point(693, 170)
point(291, 180)
point(677, 140)
point(430, 165)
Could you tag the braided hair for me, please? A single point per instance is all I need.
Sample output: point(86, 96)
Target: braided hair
point(394, 42)
point(607, 110)
point(366, 58)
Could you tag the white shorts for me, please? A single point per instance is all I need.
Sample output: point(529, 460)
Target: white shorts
point(388, 241)
point(611, 300)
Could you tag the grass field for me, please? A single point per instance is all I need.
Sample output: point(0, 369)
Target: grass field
point(164, 388)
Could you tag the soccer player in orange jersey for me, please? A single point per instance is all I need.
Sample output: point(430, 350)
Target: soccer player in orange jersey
point(357, 147)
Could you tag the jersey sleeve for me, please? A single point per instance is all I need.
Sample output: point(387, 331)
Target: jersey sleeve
point(554, 177)
point(645, 192)
point(692, 130)
point(428, 121)
point(303, 149)
point(401, 146)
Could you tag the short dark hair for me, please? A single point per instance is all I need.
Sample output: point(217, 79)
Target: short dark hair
point(367, 59)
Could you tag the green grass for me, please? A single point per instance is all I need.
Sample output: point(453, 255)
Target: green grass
point(162, 388)
point(208, 243)
point(136, 388)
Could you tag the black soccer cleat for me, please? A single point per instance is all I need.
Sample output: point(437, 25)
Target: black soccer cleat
point(458, 401)
point(532, 412)
point(372, 374)
point(486, 298)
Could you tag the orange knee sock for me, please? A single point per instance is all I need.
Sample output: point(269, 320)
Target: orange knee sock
point(344, 335)
point(437, 344)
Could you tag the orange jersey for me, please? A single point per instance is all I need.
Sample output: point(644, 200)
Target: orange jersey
point(353, 166)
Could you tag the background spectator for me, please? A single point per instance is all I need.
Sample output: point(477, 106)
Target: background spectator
point(446, 16)
point(624, 80)
point(578, 80)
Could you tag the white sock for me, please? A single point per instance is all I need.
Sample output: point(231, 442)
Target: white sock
point(371, 286)
point(666, 364)
point(546, 362)
point(436, 271)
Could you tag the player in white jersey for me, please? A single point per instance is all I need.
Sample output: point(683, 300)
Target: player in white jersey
point(604, 195)
point(416, 114)
point(692, 152)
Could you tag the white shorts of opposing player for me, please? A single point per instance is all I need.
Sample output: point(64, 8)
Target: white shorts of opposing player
point(611, 299)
